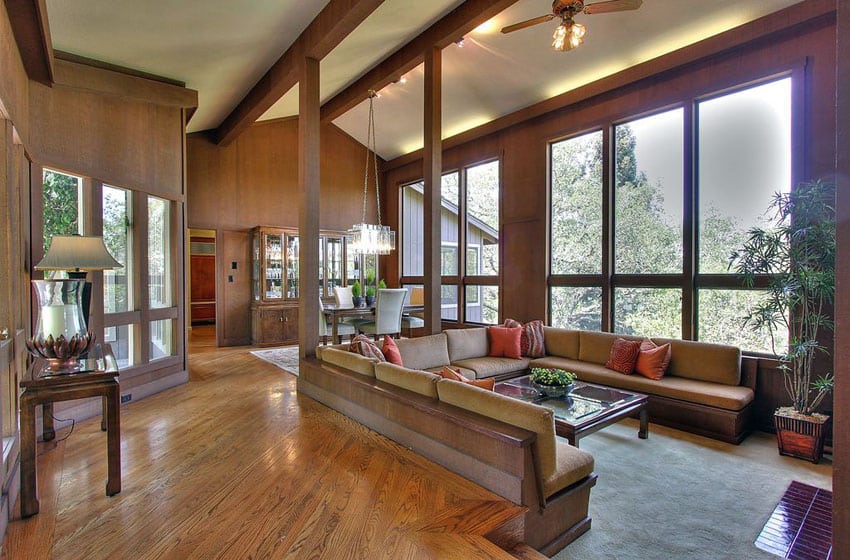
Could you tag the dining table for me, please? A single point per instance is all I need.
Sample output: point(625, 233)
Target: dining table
point(335, 313)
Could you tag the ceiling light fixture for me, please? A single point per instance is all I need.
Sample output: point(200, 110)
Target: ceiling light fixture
point(568, 35)
point(364, 238)
point(459, 43)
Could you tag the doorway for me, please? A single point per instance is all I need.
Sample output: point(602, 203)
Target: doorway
point(202, 276)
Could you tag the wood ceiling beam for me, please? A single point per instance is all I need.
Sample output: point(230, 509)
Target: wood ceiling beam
point(449, 29)
point(32, 34)
point(328, 29)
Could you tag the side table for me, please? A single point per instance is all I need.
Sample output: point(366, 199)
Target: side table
point(49, 389)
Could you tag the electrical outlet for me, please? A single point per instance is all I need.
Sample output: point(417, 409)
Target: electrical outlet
point(126, 398)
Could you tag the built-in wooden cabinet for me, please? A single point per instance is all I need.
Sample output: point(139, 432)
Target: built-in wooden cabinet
point(275, 289)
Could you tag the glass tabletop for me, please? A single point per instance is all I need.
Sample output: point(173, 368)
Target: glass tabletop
point(582, 403)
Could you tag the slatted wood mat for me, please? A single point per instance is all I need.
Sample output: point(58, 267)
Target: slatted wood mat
point(800, 527)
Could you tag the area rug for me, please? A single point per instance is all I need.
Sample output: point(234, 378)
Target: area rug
point(285, 357)
point(680, 496)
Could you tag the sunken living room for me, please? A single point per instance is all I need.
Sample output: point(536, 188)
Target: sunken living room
point(448, 279)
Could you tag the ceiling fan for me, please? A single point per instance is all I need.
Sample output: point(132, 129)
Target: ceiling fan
point(569, 34)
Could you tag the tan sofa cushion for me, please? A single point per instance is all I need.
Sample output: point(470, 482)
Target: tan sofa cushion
point(322, 347)
point(424, 352)
point(561, 342)
point(529, 416)
point(467, 343)
point(349, 360)
point(595, 346)
point(701, 392)
point(422, 382)
point(560, 463)
point(718, 363)
point(489, 366)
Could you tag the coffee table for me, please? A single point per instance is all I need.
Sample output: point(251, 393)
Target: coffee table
point(585, 409)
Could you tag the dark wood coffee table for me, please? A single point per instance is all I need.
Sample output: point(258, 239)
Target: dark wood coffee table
point(585, 409)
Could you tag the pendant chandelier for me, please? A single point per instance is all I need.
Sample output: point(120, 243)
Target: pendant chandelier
point(365, 238)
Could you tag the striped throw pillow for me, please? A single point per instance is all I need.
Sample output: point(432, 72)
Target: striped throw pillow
point(363, 345)
point(531, 342)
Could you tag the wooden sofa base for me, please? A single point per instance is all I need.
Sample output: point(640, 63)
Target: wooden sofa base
point(492, 454)
point(716, 423)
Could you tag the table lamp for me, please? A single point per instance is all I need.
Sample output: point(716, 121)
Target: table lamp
point(61, 334)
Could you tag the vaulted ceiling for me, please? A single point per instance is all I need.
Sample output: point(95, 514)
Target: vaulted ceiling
point(222, 48)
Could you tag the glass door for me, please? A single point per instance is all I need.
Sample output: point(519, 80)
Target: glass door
point(273, 247)
point(292, 266)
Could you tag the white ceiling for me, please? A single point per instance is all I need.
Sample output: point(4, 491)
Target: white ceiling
point(221, 48)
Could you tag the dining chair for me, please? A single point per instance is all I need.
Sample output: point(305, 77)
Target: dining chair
point(388, 310)
point(416, 319)
point(326, 328)
point(343, 297)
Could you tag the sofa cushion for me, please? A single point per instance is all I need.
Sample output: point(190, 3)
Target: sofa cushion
point(529, 416)
point(390, 350)
point(532, 342)
point(505, 342)
point(350, 360)
point(365, 346)
point(571, 465)
point(422, 382)
point(561, 342)
point(595, 346)
point(704, 361)
point(468, 373)
point(424, 352)
point(467, 343)
point(706, 393)
point(488, 366)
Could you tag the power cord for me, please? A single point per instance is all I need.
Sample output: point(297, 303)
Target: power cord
point(73, 423)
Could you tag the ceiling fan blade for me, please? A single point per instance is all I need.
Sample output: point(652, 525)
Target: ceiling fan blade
point(528, 23)
point(612, 6)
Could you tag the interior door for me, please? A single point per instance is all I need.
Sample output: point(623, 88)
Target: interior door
point(233, 312)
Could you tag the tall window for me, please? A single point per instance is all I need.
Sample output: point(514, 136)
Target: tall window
point(118, 294)
point(641, 272)
point(471, 285)
point(159, 277)
point(576, 232)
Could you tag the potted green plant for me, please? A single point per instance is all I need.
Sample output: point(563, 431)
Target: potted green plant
point(552, 382)
point(797, 253)
point(381, 284)
point(357, 293)
point(370, 289)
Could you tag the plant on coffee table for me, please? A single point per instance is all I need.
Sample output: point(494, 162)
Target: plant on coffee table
point(553, 382)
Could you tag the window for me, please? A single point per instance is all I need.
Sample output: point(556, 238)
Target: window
point(61, 204)
point(159, 252)
point(639, 273)
point(648, 191)
point(478, 187)
point(118, 293)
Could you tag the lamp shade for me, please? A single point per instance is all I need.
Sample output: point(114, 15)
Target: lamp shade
point(77, 252)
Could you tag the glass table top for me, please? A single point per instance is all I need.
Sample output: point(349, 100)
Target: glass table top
point(582, 403)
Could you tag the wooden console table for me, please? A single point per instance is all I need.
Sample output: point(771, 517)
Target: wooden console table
point(49, 389)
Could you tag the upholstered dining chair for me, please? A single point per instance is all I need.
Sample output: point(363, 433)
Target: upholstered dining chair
point(416, 319)
point(343, 297)
point(326, 328)
point(388, 310)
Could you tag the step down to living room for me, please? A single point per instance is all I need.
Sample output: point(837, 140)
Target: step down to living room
point(801, 525)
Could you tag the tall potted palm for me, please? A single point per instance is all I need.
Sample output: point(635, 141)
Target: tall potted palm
point(797, 252)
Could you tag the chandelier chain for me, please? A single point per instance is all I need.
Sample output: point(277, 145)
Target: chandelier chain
point(372, 155)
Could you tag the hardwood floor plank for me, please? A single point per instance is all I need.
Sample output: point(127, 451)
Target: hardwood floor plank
point(237, 464)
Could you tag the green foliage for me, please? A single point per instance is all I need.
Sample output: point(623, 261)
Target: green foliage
point(356, 290)
point(381, 284)
point(797, 253)
point(60, 196)
point(552, 376)
point(370, 290)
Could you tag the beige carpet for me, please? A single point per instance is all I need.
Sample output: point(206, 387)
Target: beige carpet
point(682, 497)
point(284, 357)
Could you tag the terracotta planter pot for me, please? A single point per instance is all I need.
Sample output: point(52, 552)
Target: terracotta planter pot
point(800, 436)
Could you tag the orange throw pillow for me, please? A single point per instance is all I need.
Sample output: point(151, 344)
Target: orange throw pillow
point(453, 374)
point(505, 342)
point(391, 352)
point(624, 354)
point(653, 360)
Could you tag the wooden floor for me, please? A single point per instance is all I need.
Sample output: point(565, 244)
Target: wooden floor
point(236, 464)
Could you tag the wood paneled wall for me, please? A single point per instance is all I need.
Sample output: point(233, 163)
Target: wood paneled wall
point(254, 180)
point(523, 146)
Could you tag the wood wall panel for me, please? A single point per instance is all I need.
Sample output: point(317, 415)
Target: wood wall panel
point(14, 84)
point(233, 299)
point(121, 141)
point(524, 179)
point(254, 180)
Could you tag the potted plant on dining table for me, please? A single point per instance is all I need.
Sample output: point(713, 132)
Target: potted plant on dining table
point(797, 255)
